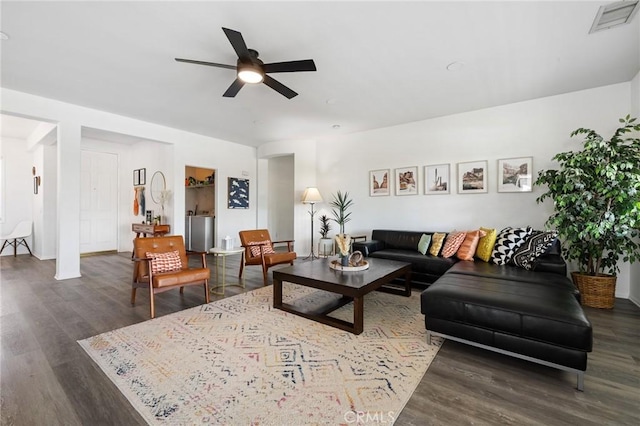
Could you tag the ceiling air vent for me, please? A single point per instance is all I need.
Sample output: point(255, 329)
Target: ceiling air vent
point(613, 14)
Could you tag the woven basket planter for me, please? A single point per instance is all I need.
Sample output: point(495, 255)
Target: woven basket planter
point(596, 291)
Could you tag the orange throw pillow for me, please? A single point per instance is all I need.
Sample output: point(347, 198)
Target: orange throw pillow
point(452, 243)
point(468, 247)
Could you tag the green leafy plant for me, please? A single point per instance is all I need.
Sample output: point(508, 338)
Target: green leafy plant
point(341, 203)
point(325, 226)
point(595, 192)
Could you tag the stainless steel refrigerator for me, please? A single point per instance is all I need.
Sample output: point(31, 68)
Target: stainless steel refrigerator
point(199, 233)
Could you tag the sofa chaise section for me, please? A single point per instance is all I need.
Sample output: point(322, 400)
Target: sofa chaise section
point(530, 315)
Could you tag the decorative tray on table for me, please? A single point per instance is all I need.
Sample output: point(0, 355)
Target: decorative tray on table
point(356, 263)
point(335, 264)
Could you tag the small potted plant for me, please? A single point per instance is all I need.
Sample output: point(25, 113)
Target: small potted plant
point(595, 193)
point(325, 246)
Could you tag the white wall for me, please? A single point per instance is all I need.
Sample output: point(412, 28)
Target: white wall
point(18, 187)
point(179, 149)
point(538, 128)
point(281, 201)
point(304, 167)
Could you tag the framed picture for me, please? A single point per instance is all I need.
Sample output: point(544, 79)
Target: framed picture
point(379, 183)
point(143, 177)
point(515, 174)
point(136, 177)
point(238, 193)
point(472, 177)
point(406, 180)
point(436, 179)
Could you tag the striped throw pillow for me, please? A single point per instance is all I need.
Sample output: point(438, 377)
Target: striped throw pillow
point(468, 247)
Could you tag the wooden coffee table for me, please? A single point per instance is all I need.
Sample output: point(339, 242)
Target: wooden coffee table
point(352, 286)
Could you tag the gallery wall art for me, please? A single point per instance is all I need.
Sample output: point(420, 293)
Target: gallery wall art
point(472, 177)
point(406, 180)
point(515, 174)
point(379, 183)
point(437, 179)
point(238, 193)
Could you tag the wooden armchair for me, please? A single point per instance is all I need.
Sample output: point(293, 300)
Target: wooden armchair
point(161, 264)
point(258, 250)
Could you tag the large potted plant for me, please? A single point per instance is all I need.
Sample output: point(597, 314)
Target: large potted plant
point(595, 192)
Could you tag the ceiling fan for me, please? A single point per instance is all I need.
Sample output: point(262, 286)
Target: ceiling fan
point(250, 69)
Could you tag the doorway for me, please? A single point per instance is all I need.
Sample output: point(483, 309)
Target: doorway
point(200, 206)
point(98, 202)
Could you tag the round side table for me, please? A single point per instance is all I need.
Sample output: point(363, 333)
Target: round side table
point(221, 253)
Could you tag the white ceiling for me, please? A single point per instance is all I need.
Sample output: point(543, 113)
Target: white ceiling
point(379, 63)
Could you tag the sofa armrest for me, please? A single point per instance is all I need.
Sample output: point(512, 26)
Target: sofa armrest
point(551, 263)
point(368, 247)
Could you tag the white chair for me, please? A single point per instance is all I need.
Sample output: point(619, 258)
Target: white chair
point(17, 237)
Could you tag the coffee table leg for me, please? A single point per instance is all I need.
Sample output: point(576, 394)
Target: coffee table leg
point(277, 293)
point(407, 283)
point(358, 314)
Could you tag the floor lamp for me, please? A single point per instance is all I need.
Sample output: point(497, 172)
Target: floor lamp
point(311, 196)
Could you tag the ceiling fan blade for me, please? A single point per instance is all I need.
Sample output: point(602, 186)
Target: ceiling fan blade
point(279, 87)
point(237, 41)
point(233, 90)
point(290, 66)
point(211, 64)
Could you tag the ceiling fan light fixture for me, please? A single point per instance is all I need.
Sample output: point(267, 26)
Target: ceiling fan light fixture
point(249, 73)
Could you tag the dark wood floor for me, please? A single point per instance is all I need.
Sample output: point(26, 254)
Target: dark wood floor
point(47, 379)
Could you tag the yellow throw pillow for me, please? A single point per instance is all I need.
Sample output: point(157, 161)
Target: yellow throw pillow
point(486, 243)
point(436, 243)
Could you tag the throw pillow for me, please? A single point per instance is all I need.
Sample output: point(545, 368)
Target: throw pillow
point(437, 240)
point(452, 243)
point(507, 242)
point(266, 248)
point(534, 247)
point(423, 244)
point(468, 247)
point(165, 262)
point(486, 243)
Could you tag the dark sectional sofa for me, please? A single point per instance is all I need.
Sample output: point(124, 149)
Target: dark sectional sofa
point(530, 314)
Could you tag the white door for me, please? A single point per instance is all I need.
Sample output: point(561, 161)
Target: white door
point(98, 202)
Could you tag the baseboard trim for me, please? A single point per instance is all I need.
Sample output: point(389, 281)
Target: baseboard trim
point(635, 301)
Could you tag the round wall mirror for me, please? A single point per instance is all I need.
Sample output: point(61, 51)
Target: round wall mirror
point(158, 184)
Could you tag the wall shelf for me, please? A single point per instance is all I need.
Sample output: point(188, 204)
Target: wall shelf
point(200, 186)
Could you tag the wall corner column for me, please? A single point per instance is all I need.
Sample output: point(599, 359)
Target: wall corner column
point(68, 205)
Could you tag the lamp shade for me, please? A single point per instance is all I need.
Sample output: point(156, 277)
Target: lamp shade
point(311, 196)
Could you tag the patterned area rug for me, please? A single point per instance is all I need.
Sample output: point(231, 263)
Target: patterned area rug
point(239, 361)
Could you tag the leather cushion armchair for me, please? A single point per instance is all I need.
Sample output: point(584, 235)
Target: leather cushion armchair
point(261, 238)
point(159, 282)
